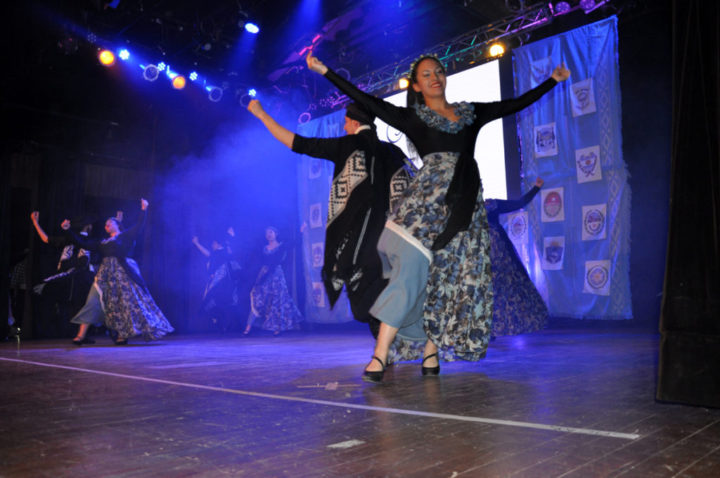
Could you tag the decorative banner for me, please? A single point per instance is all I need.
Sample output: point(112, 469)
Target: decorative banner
point(517, 227)
point(553, 205)
point(553, 253)
point(318, 254)
point(594, 223)
point(587, 164)
point(597, 277)
point(318, 294)
point(316, 215)
point(540, 70)
point(583, 98)
point(545, 140)
point(315, 168)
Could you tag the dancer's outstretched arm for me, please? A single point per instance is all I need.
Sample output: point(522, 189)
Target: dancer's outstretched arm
point(35, 217)
point(281, 133)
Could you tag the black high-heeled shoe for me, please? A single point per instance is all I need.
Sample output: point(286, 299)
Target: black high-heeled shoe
point(431, 370)
point(376, 376)
point(84, 341)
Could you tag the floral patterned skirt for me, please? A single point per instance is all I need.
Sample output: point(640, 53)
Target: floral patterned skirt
point(458, 309)
point(518, 307)
point(271, 302)
point(129, 308)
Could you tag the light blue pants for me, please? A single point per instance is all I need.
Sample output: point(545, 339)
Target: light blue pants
point(92, 312)
point(402, 301)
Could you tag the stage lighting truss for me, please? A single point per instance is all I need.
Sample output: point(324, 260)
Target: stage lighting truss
point(469, 48)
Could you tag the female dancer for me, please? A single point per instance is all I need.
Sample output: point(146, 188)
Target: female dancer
point(437, 242)
point(269, 297)
point(220, 295)
point(119, 290)
point(518, 307)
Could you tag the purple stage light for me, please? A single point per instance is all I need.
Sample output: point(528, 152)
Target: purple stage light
point(587, 5)
point(561, 8)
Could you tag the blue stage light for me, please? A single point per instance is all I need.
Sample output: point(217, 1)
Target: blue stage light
point(252, 92)
point(161, 66)
point(214, 93)
point(193, 76)
point(252, 28)
point(124, 54)
point(151, 72)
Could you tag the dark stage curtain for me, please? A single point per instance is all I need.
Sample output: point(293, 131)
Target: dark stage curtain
point(689, 369)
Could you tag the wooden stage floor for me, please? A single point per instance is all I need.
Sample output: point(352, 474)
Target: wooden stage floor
point(570, 403)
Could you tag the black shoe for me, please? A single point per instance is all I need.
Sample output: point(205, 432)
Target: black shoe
point(83, 341)
point(121, 342)
point(431, 370)
point(374, 377)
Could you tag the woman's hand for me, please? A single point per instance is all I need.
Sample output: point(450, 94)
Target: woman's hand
point(560, 73)
point(65, 225)
point(144, 204)
point(539, 182)
point(255, 108)
point(35, 217)
point(315, 65)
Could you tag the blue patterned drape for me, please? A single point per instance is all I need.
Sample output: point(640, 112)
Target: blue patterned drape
point(578, 232)
point(314, 179)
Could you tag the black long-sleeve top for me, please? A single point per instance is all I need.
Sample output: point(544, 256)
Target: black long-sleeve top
point(432, 140)
point(464, 186)
point(504, 206)
point(119, 246)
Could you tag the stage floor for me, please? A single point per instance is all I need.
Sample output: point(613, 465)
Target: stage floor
point(571, 403)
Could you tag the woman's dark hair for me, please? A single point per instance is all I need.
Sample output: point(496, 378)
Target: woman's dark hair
point(414, 97)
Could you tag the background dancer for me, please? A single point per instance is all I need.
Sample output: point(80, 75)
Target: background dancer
point(518, 307)
point(119, 290)
point(270, 300)
point(220, 296)
point(66, 290)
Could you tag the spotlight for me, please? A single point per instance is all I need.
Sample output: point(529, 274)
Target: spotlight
point(403, 83)
point(214, 93)
point(151, 73)
point(252, 28)
point(252, 92)
point(587, 5)
point(497, 49)
point(161, 66)
point(178, 82)
point(106, 57)
point(124, 54)
point(193, 76)
point(562, 8)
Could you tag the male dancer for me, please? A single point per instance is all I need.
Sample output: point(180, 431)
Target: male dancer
point(368, 180)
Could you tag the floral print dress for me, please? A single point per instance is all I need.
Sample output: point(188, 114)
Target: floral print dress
point(458, 310)
point(270, 300)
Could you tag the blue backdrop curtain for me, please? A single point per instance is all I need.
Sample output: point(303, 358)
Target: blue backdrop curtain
point(314, 179)
point(578, 232)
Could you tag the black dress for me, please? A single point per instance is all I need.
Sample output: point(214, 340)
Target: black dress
point(518, 308)
point(128, 306)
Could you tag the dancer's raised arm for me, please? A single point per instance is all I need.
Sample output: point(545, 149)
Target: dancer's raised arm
point(389, 113)
point(513, 105)
point(280, 133)
point(35, 218)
